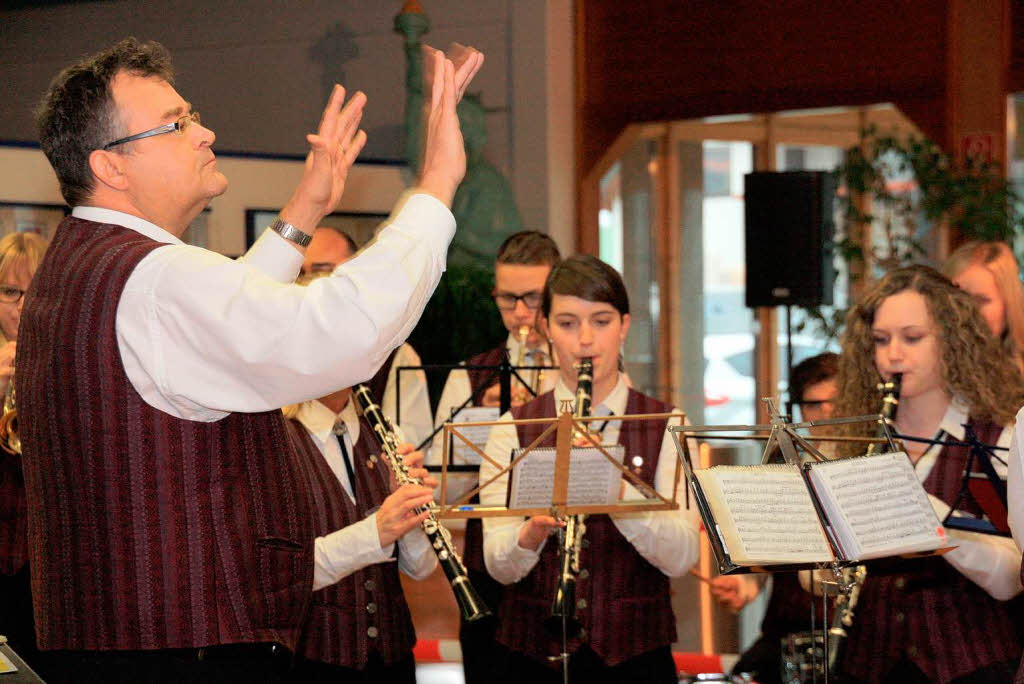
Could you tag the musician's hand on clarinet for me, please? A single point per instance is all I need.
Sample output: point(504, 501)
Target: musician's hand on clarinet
point(396, 516)
point(414, 461)
point(536, 530)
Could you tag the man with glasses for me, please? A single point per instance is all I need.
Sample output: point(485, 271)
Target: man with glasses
point(521, 268)
point(171, 532)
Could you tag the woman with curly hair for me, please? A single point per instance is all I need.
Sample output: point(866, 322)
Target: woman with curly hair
point(941, 619)
point(989, 272)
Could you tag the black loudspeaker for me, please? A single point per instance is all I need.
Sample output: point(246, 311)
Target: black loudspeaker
point(789, 231)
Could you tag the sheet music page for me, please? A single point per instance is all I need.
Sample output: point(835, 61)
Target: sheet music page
point(877, 505)
point(765, 514)
point(593, 479)
point(462, 454)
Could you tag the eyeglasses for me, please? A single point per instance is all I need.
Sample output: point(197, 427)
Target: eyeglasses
point(506, 301)
point(10, 294)
point(179, 127)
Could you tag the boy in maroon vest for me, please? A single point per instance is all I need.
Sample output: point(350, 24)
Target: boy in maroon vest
point(622, 592)
point(523, 263)
point(359, 627)
point(170, 530)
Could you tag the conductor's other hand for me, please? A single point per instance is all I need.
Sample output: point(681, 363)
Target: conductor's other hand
point(396, 515)
point(333, 150)
point(444, 158)
point(414, 462)
point(536, 530)
point(733, 592)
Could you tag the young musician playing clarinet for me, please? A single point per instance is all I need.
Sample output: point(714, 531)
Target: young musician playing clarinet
point(622, 589)
point(944, 619)
point(359, 628)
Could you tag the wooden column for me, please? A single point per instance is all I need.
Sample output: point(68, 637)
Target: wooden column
point(766, 347)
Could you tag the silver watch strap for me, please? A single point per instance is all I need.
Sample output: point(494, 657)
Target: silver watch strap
point(290, 232)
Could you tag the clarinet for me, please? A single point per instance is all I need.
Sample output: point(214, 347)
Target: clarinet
point(471, 605)
point(563, 608)
point(854, 577)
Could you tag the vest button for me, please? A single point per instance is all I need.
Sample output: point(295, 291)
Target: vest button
point(370, 585)
point(372, 632)
point(371, 608)
point(900, 617)
point(900, 582)
point(581, 604)
point(585, 543)
point(911, 650)
point(584, 574)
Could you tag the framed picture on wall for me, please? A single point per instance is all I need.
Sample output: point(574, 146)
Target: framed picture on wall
point(23, 217)
point(360, 226)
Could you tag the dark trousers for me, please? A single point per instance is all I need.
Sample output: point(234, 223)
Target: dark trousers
point(16, 621)
point(585, 667)
point(483, 658)
point(231, 663)
point(375, 672)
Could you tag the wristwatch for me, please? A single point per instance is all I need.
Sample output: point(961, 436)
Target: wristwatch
point(290, 232)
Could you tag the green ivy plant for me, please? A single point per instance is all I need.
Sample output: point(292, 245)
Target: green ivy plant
point(973, 198)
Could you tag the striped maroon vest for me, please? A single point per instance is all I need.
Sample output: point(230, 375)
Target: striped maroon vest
point(13, 515)
point(622, 600)
point(364, 612)
point(473, 551)
point(940, 620)
point(146, 531)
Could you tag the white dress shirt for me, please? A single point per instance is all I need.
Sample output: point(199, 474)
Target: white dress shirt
point(1015, 481)
point(201, 335)
point(991, 562)
point(415, 420)
point(669, 540)
point(355, 546)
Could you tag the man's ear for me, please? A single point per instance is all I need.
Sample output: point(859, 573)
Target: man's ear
point(109, 169)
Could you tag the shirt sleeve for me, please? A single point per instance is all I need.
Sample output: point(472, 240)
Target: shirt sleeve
point(416, 558)
point(201, 335)
point(669, 540)
point(415, 413)
point(991, 562)
point(347, 550)
point(274, 257)
point(1015, 481)
point(506, 561)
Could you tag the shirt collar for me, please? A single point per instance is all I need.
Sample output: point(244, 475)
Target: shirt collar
point(136, 223)
point(952, 423)
point(320, 420)
point(614, 403)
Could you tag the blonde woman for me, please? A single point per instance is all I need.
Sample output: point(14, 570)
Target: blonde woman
point(20, 254)
point(989, 272)
point(941, 619)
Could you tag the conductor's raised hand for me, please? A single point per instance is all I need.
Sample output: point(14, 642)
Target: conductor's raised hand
point(444, 158)
point(333, 150)
point(396, 516)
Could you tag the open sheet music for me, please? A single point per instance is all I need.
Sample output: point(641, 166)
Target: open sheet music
point(847, 509)
point(593, 479)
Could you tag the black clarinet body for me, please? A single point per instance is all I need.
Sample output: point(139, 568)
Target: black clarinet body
point(471, 605)
point(563, 609)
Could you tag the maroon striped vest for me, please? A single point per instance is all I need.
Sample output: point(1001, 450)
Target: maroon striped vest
point(146, 531)
point(473, 551)
point(364, 612)
point(622, 600)
point(13, 515)
point(933, 615)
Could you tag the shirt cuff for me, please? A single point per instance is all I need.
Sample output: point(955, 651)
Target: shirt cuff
point(344, 551)
point(275, 257)
point(427, 218)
